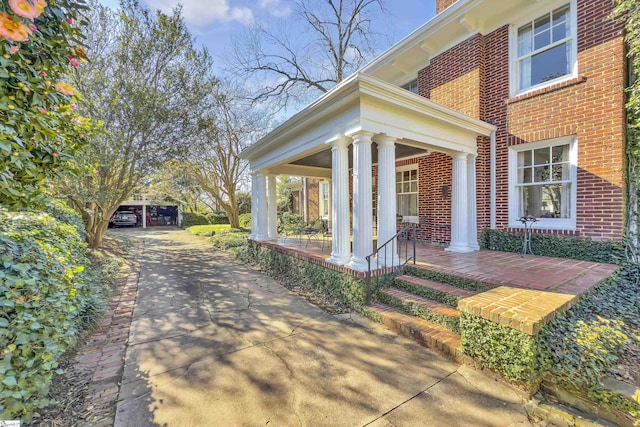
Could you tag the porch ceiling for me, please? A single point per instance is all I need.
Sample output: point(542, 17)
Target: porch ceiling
point(322, 159)
point(301, 146)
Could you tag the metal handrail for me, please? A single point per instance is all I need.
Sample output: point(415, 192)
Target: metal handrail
point(389, 250)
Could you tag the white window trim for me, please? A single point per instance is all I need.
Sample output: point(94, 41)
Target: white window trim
point(321, 200)
point(514, 74)
point(543, 223)
point(407, 218)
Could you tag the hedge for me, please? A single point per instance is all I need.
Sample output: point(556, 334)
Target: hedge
point(43, 286)
point(560, 247)
point(190, 218)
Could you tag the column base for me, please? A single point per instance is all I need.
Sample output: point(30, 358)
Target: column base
point(358, 264)
point(459, 249)
point(339, 259)
point(261, 238)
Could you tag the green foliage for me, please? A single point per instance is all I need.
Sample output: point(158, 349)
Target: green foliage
point(425, 292)
point(63, 213)
point(42, 287)
point(506, 350)
point(288, 219)
point(217, 218)
point(102, 279)
point(581, 346)
point(345, 288)
point(40, 132)
point(245, 221)
point(189, 219)
point(459, 282)
point(450, 323)
point(230, 238)
point(559, 247)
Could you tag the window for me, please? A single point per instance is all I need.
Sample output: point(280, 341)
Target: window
point(545, 49)
point(543, 183)
point(412, 86)
point(324, 199)
point(407, 191)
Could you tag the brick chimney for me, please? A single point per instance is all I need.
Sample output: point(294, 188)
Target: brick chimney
point(443, 4)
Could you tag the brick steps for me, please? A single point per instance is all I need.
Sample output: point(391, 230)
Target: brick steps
point(424, 308)
point(425, 333)
point(437, 291)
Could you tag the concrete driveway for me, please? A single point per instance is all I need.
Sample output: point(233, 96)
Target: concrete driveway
point(217, 343)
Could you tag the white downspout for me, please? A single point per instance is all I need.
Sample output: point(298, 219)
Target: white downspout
point(492, 183)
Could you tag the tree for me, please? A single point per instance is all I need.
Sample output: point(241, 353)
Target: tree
point(226, 130)
point(337, 40)
point(148, 85)
point(40, 131)
point(628, 11)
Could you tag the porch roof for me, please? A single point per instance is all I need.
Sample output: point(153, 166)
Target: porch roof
point(363, 103)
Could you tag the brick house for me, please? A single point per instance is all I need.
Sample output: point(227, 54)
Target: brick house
point(490, 111)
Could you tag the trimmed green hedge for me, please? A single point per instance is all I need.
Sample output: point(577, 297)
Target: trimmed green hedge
point(245, 221)
point(218, 218)
point(511, 352)
point(190, 219)
point(345, 288)
point(43, 288)
point(560, 247)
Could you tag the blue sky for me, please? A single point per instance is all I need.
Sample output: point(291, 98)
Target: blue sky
point(214, 22)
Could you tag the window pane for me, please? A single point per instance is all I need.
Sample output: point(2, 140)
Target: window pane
point(560, 153)
point(414, 187)
point(560, 172)
point(561, 16)
point(560, 31)
point(398, 176)
point(541, 40)
point(398, 188)
point(545, 201)
point(542, 24)
point(541, 174)
point(406, 187)
point(541, 156)
point(413, 205)
point(524, 40)
point(550, 64)
point(526, 176)
point(525, 73)
point(524, 158)
point(414, 174)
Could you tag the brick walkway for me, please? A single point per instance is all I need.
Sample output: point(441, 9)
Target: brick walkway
point(103, 354)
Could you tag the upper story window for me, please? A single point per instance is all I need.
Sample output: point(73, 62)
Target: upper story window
point(544, 49)
point(412, 86)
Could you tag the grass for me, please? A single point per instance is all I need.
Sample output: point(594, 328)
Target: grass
point(201, 230)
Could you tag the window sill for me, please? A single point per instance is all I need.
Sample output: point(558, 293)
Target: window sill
point(547, 89)
point(544, 226)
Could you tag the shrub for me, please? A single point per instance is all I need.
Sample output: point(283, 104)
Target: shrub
point(218, 218)
point(580, 347)
point(42, 286)
point(102, 279)
point(63, 213)
point(232, 238)
point(553, 246)
point(245, 221)
point(190, 219)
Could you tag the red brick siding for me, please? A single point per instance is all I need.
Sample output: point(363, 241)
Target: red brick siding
point(443, 4)
point(313, 194)
point(589, 107)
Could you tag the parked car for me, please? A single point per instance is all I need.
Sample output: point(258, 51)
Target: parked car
point(124, 218)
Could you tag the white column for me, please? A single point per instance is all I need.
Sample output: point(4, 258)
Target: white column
point(144, 216)
point(254, 206)
point(340, 244)
point(472, 203)
point(273, 207)
point(459, 205)
point(263, 232)
point(387, 198)
point(362, 201)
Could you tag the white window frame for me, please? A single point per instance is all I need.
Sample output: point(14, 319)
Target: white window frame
point(410, 85)
point(514, 197)
point(322, 200)
point(407, 218)
point(514, 69)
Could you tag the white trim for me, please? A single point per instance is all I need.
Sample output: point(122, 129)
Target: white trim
point(514, 72)
point(544, 223)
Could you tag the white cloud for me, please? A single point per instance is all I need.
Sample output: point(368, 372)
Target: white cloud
point(200, 13)
point(275, 8)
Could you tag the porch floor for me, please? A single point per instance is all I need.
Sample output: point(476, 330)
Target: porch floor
point(492, 268)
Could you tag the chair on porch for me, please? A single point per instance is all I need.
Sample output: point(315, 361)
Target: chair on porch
point(289, 229)
point(312, 230)
point(327, 233)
